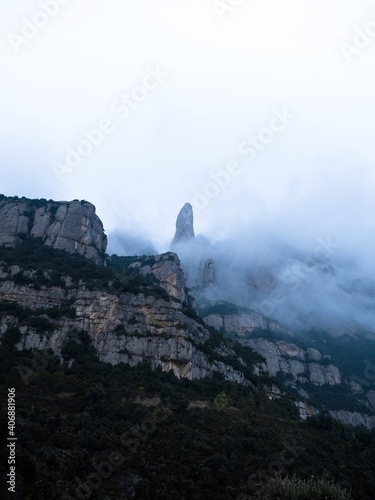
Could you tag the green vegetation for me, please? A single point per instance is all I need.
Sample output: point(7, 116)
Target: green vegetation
point(75, 413)
point(222, 308)
point(31, 203)
point(334, 397)
point(356, 359)
point(121, 264)
point(218, 347)
point(42, 320)
point(221, 401)
point(73, 416)
point(52, 265)
point(293, 488)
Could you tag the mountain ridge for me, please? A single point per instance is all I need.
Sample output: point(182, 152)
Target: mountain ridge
point(137, 309)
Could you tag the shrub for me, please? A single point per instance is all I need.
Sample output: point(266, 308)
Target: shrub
point(298, 489)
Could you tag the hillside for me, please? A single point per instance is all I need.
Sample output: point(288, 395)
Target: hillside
point(113, 364)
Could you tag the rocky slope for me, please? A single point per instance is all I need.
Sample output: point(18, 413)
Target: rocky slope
point(71, 226)
point(304, 369)
point(166, 269)
point(299, 368)
point(123, 326)
point(288, 358)
point(139, 308)
point(238, 321)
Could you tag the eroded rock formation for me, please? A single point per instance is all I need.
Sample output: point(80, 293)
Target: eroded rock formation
point(71, 226)
point(166, 268)
point(184, 225)
point(123, 327)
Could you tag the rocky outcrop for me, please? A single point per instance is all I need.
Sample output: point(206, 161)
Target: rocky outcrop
point(166, 268)
point(184, 225)
point(275, 362)
point(70, 226)
point(209, 273)
point(287, 358)
point(195, 253)
point(243, 323)
point(320, 375)
point(354, 419)
point(305, 410)
point(123, 327)
point(313, 354)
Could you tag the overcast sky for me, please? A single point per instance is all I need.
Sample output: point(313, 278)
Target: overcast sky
point(203, 77)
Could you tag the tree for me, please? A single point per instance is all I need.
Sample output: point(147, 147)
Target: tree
point(221, 401)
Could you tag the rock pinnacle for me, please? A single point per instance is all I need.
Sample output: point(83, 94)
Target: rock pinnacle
point(184, 225)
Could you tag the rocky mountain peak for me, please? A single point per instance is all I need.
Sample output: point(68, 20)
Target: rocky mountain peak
point(70, 226)
point(184, 225)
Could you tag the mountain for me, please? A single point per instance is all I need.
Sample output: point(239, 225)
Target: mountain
point(290, 352)
point(303, 289)
point(184, 225)
point(71, 226)
point(98, 346)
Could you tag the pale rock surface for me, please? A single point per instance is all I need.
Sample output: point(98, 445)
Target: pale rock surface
point(313, 354)
point(123, 327)
point(184, 225)
point(166, 268)
point(320, 374)
point(305, 410)
point(287, 358)
point(71, 226)
point(354, 419)
point(243, 323)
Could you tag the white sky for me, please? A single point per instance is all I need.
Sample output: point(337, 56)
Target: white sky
point(225, 79)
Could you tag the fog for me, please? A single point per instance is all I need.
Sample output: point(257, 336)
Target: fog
point(303, 291)
point(259, 113)
point(129, 244)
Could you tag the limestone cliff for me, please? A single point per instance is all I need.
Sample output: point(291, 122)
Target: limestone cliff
point(123, 327)
point(184, 225)
point(140, 308)
point(238, 322)
point(354, 419)
point(166, 269)
point(287, 358)
point(71, 226)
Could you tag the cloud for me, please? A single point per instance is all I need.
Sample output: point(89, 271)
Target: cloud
point(226, 77)
point(125, 244)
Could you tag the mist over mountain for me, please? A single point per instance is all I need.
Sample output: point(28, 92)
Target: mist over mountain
point(121, 243)
point(322, 288)
point(229, 341)
point(187, 235)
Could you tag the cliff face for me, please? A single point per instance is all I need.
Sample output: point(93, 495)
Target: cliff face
point(288, 358)
point(166, 269)
point(243, 323)
point(184, 225)
point(304, 365)
point(71, 226)
point(354, 419)
point(149, 313)
point(123, 327)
